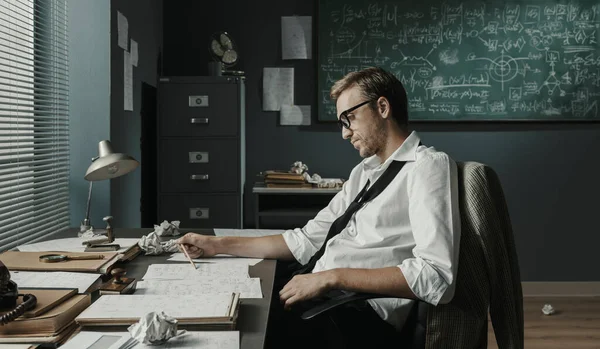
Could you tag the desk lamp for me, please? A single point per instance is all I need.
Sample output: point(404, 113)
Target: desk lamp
point(105, 166)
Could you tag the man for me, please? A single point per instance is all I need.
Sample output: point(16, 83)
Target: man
point(402, 243)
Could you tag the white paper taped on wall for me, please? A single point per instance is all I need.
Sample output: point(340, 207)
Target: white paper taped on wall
point(295, 115)
point(296, 37)
point(278, 88)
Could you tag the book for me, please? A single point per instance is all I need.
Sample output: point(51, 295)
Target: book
point(290, 176)
point(301, 185)
point(30, 261)
point(205, 312)
point(50, 322)
point(56, 338)
point(46, 300)
point(131, 253)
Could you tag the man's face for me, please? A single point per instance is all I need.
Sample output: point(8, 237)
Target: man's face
point(367, 131)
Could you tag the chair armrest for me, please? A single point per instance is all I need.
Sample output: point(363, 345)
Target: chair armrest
point(338, 300)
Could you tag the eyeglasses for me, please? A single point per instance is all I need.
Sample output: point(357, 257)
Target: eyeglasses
point(343, 121)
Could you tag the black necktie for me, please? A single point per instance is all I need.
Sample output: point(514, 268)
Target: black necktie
point(342, 221)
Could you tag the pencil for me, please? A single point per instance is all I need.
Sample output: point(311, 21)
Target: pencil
point(187, 255)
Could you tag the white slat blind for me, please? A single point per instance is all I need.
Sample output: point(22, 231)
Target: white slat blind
point(34, 120)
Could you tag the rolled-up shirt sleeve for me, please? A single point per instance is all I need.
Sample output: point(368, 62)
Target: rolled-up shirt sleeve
point(435, 222)
point(305, 242)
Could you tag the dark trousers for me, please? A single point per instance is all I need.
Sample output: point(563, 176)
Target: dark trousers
point(354, 325)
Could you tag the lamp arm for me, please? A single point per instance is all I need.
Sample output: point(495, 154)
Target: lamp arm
point(89, 199)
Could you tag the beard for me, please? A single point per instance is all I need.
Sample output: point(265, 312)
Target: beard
point(374, 141)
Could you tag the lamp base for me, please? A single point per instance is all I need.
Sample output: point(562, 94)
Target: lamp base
point(85, 226)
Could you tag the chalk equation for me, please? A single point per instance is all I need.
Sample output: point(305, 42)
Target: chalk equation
point(525, 60)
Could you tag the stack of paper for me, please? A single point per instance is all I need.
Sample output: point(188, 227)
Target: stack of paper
point(247, 288)
point(208, 312)
point(224, 276)
point(218, 259)
point(187, 340)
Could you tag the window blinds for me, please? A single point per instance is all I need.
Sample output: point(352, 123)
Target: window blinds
point(34, 122)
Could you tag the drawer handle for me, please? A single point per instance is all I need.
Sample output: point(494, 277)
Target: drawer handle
point(202, 177)
point(199, 120)
point(199, 213)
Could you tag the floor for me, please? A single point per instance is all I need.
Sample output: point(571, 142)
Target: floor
point(575, 325)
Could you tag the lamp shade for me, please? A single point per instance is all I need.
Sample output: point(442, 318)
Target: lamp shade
point(109, 164)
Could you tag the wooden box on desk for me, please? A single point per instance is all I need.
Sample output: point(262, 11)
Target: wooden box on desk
point(118, 284)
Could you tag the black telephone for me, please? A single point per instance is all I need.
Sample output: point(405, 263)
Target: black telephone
point(8, 297)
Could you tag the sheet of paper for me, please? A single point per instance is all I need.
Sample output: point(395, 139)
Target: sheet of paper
point(296, 37)
point(122, 31)
point(278, 88)
point(187, 340)
point(94, 340)
point(136, 306)
point(295, 115)
point(247, 232)
point(180, 257)
point(35, 279)
point(133, 51)
point(204, 340)
point(71, 245)
point(186, 272)
point(127, 82)
point(246, 287)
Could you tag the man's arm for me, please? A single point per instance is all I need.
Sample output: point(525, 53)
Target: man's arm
point(256, 247)
point(387, 281)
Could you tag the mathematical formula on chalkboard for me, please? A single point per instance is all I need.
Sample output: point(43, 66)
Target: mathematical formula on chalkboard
point(469, 61)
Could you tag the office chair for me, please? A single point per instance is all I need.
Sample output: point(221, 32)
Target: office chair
point(488, 277)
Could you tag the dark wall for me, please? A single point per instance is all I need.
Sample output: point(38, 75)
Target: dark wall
point(145, 27)
point(549, 172)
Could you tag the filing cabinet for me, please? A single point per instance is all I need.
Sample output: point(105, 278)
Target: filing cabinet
point(201, 151)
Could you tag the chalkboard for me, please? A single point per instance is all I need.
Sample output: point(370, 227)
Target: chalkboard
point(469, 61)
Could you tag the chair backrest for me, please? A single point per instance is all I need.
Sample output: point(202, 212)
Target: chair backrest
point(488, 271)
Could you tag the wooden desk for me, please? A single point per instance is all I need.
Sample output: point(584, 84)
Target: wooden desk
point(288, 208)
point(254, 313)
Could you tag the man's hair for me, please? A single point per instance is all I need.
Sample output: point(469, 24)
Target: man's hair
point(375, 82)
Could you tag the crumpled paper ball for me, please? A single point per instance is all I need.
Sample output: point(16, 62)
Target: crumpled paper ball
point(167, 229)
point(299, 168)
point(152, 245)
point(154, 328)
point(88, 234)
point(548, 309)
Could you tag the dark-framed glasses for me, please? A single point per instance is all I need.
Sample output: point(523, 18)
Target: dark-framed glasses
point(344, 121)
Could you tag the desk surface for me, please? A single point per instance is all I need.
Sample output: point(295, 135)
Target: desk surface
point(254, 313)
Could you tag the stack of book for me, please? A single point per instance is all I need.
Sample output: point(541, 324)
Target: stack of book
point(276, 179)
point(50, 321)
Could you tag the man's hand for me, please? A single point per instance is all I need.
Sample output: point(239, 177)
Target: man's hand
point(304, 287)
point(197, 245)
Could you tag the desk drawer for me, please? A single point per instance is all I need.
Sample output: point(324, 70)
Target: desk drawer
point(199, 109)
point(190, 165)
point(201, 211)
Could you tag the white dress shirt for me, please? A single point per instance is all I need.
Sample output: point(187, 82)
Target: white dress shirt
point(413, 224)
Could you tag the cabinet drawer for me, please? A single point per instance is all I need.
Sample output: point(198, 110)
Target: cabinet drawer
point(189, 165)
point(201, 211)
point(199, 109)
